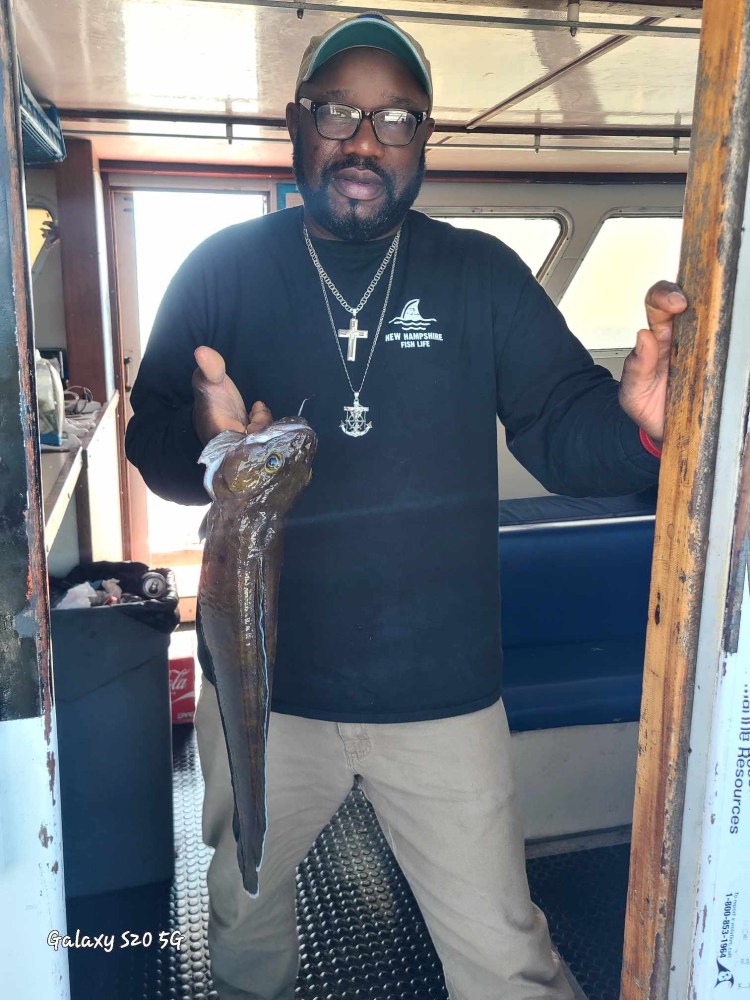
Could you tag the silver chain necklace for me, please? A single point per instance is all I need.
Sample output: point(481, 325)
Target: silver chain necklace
point(355, 422)
point(353, 333)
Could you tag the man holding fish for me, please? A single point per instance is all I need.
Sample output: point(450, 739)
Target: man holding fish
point(408, 337)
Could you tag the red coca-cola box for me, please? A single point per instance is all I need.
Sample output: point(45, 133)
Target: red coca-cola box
point(182, 689)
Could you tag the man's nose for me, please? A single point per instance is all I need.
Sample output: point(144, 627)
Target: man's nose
point(364, 142)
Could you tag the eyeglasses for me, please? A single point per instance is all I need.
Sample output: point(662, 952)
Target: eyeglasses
point(392, 126)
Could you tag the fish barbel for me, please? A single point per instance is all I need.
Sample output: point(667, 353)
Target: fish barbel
point(253, 480)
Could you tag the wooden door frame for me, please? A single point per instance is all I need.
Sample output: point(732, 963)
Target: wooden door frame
point(714, 208)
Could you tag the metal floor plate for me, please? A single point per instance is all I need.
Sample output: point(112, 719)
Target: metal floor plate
point(361, 933)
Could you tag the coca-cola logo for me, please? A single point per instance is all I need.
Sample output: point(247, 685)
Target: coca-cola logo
point(179, 679)
point(182, 690)
point(189, 697)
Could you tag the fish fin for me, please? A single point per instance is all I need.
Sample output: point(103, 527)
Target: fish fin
point(203, 528)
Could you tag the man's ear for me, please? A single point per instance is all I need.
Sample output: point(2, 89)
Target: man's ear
point(429, 130)
point(292, 119)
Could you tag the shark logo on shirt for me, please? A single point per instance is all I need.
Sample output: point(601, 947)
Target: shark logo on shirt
point(416, 330)
point(410, 318)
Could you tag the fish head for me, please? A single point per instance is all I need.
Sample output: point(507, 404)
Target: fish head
point(269, 467)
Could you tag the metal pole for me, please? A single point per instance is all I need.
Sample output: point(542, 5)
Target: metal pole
point(32, 901)
point(673, 132)
point(478, 20)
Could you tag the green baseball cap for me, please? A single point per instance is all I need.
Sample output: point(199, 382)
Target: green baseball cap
point(372, 30)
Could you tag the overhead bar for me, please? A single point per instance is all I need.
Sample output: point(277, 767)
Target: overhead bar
point(475, 20)
point(659, 8)
point(536, 145)
point(454, 128)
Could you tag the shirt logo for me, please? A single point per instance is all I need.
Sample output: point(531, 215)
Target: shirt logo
point(410, 318)
point(415, 328)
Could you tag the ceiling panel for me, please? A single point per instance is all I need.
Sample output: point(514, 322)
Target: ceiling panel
point(145, 149)
point(602, 153)
point(185, 130)
point(183, 56)
point(144, 54)
point(501, 61)
point(561, 161)
point(646, 81)
point(193, 57)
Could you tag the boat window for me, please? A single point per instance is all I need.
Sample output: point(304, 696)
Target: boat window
point(603, 304)
point(168, 225)
point(41, 230)
point(532, 237)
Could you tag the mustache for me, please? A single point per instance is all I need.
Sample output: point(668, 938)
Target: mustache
point(358, 163)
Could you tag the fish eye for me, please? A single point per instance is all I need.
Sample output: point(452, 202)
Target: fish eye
point(274, 462)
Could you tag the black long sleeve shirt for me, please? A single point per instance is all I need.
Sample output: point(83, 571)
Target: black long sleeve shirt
point(389, 603)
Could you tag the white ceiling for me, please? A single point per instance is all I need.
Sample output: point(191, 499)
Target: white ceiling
point(239, 60)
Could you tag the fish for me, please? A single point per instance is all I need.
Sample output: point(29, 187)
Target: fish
point(253, 481)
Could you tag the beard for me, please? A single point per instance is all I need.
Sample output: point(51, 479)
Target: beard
point(347, 224)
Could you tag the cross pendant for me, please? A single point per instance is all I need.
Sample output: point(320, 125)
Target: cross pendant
point(354, 334)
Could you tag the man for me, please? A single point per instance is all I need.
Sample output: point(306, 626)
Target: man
point(388, 655)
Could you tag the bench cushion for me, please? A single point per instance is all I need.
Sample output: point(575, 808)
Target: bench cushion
point(574, 609)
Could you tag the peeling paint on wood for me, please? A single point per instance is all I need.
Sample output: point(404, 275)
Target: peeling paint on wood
point(30, 815)
point(51, 770)
point(711, 240)
point(25, 689)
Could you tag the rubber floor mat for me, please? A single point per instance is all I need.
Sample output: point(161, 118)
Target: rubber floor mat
point(361, 933)
point(583, 896)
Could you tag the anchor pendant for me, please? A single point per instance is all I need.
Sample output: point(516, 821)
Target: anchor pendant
point(355, 423)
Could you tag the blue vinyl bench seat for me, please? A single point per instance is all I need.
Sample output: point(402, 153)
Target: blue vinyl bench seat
point(574, 580)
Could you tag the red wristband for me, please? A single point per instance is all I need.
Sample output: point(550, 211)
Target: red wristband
point(648, 444)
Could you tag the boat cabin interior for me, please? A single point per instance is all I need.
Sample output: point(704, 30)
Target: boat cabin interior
point(564, 129)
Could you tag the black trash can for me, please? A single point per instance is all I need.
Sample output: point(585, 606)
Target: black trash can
point(111, 678)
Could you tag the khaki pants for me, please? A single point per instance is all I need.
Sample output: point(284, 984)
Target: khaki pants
point(443, 795)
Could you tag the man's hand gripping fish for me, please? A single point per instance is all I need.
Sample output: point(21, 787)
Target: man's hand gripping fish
point(253, 480)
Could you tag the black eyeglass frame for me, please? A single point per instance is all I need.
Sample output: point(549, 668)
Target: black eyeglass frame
point(312, 107)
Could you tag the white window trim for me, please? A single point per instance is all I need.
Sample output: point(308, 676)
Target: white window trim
point(560, 215)
point(616, 213)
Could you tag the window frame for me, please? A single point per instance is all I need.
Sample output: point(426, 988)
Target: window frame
point(120, 187)
point(43, 205)
point(616, 213)
point(209, 184)
point(560, 215)
point(608, 353)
